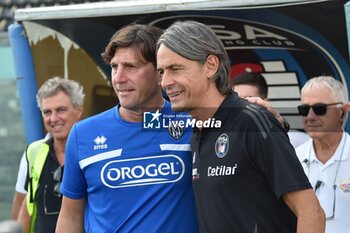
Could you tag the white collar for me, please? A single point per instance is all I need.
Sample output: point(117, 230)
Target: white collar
point(341, 152)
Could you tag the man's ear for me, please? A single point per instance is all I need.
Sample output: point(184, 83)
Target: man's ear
point(343, 117)
point(212, 65)
point(346, 107)
point(79, 110)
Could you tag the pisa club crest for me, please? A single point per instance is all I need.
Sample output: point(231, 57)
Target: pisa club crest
point(222, 145)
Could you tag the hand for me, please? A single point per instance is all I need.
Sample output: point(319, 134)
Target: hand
point(268, 106)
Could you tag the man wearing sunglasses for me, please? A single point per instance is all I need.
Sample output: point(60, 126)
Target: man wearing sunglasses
point(326, 156)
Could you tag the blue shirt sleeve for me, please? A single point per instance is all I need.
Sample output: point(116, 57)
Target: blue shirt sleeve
point(73, 183)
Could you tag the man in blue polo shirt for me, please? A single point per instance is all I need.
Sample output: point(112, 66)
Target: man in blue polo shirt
point(119, 177)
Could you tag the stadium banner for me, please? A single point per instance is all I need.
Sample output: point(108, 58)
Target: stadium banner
point(288, 44)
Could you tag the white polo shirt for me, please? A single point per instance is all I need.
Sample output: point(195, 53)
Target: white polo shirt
point(22, 175)
point(335, 172)
point(22, 171)
point(297, 138)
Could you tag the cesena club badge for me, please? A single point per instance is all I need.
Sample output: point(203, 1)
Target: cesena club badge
point(222, 145)
point(175, 130)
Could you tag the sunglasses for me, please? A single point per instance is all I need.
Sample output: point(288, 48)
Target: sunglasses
point(319, 109)
point(329, 216)
point(57, 176)
point(51, 206)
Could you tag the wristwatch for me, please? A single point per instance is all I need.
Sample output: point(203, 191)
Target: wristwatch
point(286, 125)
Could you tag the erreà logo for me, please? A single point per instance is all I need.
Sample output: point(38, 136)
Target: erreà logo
point(100, 143)
point(143, 171)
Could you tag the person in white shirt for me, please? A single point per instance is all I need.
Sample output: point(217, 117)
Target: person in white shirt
point(20, 192)
point(326, 156)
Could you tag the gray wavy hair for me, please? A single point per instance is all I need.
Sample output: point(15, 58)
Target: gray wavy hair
point(196, 41)
point(53, 85)
point(336, 87)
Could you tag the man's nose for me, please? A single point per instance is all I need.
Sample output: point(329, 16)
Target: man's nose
point(167, 81)
point(119, 75)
